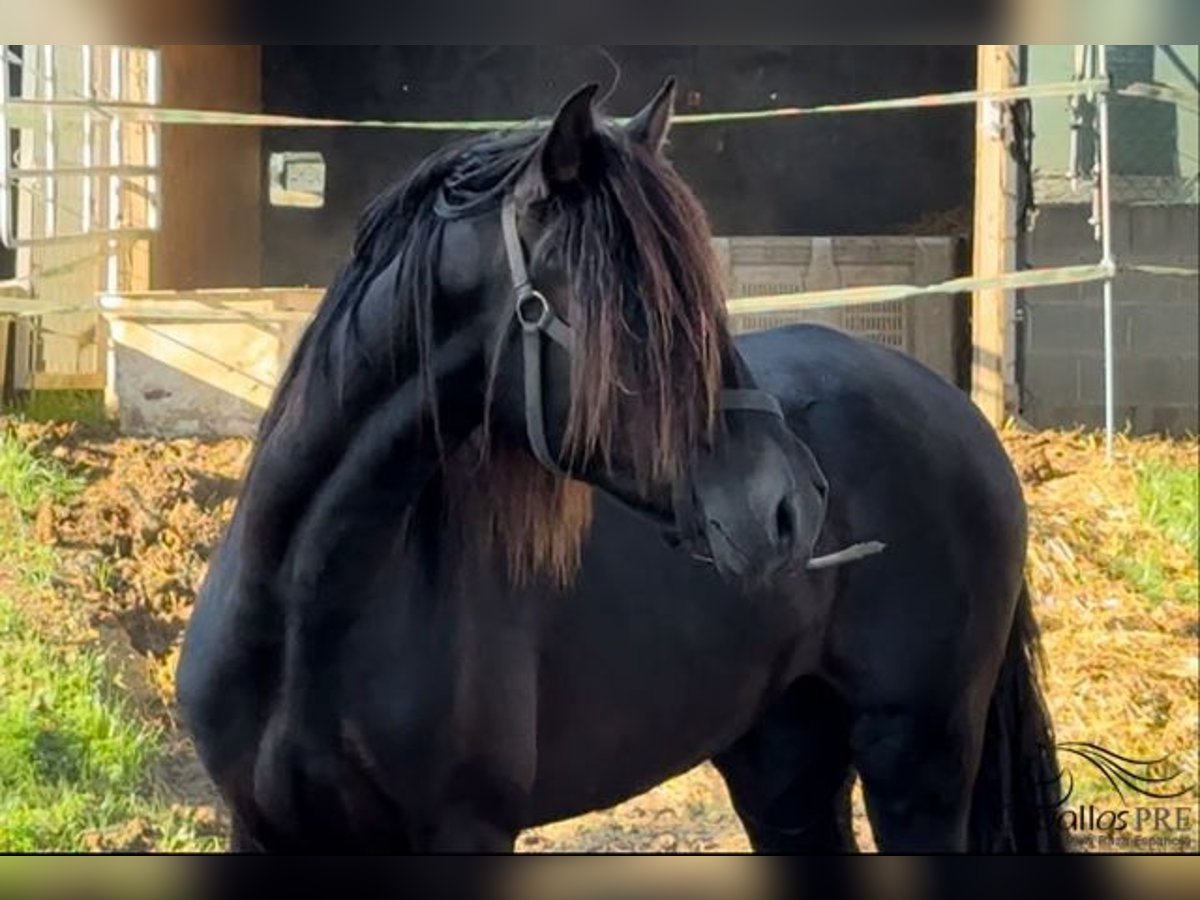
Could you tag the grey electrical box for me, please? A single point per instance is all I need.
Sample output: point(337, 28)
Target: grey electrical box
point(297, 178)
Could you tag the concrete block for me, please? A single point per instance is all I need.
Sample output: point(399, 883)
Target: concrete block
point(1122, 226)
point(769, 251)
point(159, 397)
point(1055, 293)
point(1051, 380)
point(1074, 415)
point(1062, 236)
point(1164, 329)
point(1166, 234)
point(1063, 327)
point(202, 362)
point(1144, 381)
point(932, 333)
point(858, 274)
point(1174, 420)
point(933, 260)
point(874, 251)
point(1139, 287)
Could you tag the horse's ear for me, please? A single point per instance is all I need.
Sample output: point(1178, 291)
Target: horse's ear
point(566, 143)
point(649, 127)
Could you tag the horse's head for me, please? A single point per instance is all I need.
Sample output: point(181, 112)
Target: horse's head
point(550, 297)
point(593, 273)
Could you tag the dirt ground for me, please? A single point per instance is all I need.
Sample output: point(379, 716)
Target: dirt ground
point(136, 541)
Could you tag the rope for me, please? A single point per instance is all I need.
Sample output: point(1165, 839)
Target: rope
point(1169, 271)
point(1165, 93)
point(887, 293)
point(26, 113)
point(775, 303)
point(163, 309)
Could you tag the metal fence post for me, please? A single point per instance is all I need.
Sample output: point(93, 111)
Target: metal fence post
point(1104, 214)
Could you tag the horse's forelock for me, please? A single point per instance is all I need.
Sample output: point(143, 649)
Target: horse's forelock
point(650, 304)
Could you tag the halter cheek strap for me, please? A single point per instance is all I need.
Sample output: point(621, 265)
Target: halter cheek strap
point(533, 313)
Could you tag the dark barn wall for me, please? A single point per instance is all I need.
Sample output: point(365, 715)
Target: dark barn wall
point(211, 233)
point(872, 173)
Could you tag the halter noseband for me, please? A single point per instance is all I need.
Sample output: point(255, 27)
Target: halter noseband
point(536, 318)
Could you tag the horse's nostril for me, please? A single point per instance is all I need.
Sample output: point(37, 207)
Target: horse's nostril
point(785, 522)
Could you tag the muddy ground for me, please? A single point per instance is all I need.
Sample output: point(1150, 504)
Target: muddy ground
point(135, 543)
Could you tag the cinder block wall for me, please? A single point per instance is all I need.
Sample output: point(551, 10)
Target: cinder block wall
point(1157, 320)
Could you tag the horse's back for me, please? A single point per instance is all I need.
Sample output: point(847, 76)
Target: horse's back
point(831, 380)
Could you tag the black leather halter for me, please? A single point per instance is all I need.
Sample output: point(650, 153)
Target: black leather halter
point(536, 318)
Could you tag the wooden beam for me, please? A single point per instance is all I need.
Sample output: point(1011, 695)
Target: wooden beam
point(6, 325)
point(67, 381)
point(16, 287)
point(994, 236)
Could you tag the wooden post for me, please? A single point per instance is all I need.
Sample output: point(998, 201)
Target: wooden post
point(6, 323)
point(994, 237)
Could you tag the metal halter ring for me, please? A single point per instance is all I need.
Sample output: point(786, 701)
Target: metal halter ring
point(543, 316)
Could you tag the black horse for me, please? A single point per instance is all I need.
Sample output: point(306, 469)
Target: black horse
point(415, 636)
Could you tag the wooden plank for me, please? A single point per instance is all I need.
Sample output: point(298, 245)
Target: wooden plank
point(67, 381)
point(65, 271)
point(6, 389)
point(16, 287)
point(135, 205)
point(23, 260)
point(994, 236)
point(295, 305)
point(304, 296)
point(134, 259)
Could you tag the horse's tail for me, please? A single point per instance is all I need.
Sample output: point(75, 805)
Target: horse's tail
point(1017, 793)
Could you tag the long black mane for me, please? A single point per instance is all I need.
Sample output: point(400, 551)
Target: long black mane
point(403, 222)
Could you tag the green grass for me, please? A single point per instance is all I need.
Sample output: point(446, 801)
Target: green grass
point(62, 406)
point(72, 758)
point(1167, 500)
point(27, 480)
point(75, 759)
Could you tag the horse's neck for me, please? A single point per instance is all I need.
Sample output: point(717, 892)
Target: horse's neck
point(315, 545)
point(315, 483)
point(355, 402)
